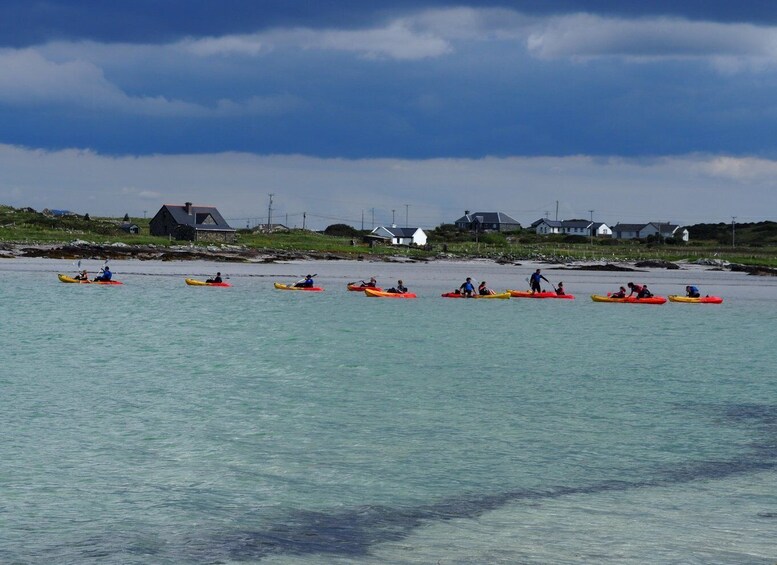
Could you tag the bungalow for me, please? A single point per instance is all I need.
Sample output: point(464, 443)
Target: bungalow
point(194, 223)
point(399, 236)
point(487, 221)
point(639, 231)
point(584, 228)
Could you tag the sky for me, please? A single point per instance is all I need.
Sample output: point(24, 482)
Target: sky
point(369, 112)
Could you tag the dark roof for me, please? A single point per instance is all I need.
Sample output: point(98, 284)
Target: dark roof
point(628, 227)
point(575, 223)
point(487, 218)
point(401, 232)
point(197, 216)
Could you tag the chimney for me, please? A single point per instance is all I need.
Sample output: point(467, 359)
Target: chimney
point(466, 212)
point(188, 208)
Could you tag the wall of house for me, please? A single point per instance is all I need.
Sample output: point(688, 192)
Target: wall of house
point(215, 236)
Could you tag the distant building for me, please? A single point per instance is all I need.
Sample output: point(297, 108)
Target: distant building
point(584, 228)
point(487, 221)
point(641, 231)
point(193, 223)
point(399, 236)
point(129, 227)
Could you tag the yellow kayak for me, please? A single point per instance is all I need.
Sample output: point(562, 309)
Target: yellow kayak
point(500, 295)
point(67, 279)
point(195, 282)
point(281, 286)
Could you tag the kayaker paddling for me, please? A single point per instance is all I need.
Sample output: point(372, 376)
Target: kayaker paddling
point(105, 275)
point(483, 289)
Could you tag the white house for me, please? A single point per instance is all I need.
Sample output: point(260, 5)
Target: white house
point(637, 231)
point(571, 227)
point(400, 236)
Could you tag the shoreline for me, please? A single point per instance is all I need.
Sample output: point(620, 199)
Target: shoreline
point(237, 254)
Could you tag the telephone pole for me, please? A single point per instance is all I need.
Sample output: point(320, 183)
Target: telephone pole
point(393, 223)
point(733, 231)
point(591, 227)
point(269, 214)
point(407, 213)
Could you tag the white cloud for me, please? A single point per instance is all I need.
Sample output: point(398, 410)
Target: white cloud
point(586, 36)
point(686, 189)
point(396, 41)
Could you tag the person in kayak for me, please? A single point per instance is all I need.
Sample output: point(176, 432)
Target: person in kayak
point(105, 275)
point(641, 290)
point(560, 289)
point(216, 279)
point(620, 294)
point(534, 281)
point(692, 292)
point(467, 288)
point(483, 290)
point(399, 289)
point(82, 276)
point(372, 283)
point(308, 282)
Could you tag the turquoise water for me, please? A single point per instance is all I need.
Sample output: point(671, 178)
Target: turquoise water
point(160, 423)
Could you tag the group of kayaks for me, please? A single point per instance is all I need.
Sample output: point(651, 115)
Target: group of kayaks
point(377, 292)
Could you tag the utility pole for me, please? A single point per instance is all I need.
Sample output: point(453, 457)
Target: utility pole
point(733, 231)
point(407, 213)
point(557, 210)
point(373, 218)
point(591, 227)
point(362, 220)
point(392, 218)
point(269, 214)
point(304, 218)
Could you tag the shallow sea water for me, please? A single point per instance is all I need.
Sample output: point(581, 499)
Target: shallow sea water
point(160, 423)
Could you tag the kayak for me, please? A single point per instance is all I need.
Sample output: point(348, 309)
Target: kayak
point(545, 294)
point(502, 295)
point(629, 299)
point(700, 300)
point(386, 294)
point(361, 288)
point(195, 282)
point(281, 286)
point(67, 279)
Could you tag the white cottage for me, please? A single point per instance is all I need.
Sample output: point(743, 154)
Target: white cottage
point(400, 236)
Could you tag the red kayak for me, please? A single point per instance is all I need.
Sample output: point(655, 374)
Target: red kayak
point(544, 294)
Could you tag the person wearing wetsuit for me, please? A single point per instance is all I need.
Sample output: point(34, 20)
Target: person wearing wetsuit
point(216, 279)
point(692, 291)
point(307, 283)
point(620, 294)
point(399, 289)
point(483, 290)
point(534, 281)
point(467, 288)
point(641, 290)
point(105, 276)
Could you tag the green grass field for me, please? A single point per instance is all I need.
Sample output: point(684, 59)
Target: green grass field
point(758, 242)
